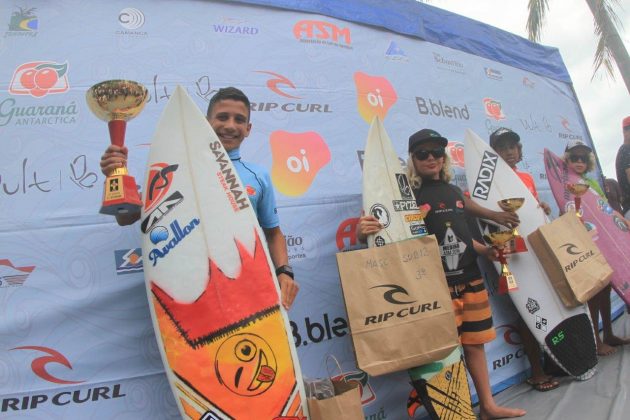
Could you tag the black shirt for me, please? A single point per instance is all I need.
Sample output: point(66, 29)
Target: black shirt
point(447, 221)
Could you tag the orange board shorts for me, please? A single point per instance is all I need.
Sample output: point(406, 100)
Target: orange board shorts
point(472, 312)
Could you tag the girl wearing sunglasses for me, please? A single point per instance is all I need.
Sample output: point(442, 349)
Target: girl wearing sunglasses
point(580, 159)
point(429, 174)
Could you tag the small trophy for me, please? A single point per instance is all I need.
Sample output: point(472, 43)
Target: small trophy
point(507, 282)
point(118, 101)
point(578, 190)
point(512, 205)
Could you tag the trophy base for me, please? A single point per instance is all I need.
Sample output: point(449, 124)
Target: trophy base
point(507, 283)
point(120, 195)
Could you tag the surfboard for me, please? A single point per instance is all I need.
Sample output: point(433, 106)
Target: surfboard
point(388, 196)
point(214, 299)
point(565, 334)
point(611, 234)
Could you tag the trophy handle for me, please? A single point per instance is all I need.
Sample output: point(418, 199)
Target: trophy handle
point(117, 132)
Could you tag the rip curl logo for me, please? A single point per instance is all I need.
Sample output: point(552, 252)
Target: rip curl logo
point(395, 289)
point(375, 96)
point(53, 356)
point(571, 249)
point(297, 159)
point(278, 80)
point(510, 334)
point(493, 109)
point(40, 78)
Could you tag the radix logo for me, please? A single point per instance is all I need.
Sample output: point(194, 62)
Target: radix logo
point(278, 79)
point(53, 356)
point(394, 289)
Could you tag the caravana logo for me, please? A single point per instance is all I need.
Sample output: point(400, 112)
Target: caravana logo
point(297, 159)
point(493, 109)
point(322, 32)
point(40, 78)
point(375, 96)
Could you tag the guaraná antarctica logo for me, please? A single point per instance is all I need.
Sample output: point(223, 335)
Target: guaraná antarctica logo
point(297, 158)
point(40, 78)
point(375, 96)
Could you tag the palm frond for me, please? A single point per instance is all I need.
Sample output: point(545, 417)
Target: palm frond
point(536, 18)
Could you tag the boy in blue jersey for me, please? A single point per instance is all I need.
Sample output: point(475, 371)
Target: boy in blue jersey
point(228, 114)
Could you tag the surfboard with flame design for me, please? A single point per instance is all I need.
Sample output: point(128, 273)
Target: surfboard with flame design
point(214, 298)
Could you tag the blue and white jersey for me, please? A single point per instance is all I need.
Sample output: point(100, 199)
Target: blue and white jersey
point(259, 189)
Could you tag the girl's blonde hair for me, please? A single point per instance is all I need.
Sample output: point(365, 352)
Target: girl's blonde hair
point(590, 165)
point(416, 180)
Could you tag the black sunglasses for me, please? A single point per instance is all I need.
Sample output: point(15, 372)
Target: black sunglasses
point(424, 154)
point(578, 158)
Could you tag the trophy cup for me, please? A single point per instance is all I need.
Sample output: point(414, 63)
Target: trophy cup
point(578, 190)
point(507, 282)
point(118, 101)
point(512, 205)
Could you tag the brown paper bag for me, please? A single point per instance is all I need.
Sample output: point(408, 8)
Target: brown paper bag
point(399, 307)
point(572, 261)
point(345, 405)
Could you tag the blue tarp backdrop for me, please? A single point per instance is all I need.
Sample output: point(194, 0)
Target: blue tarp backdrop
point(76, 339)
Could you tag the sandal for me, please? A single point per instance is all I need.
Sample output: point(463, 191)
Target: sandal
point(546, 384)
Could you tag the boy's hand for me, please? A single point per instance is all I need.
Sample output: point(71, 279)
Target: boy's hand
point(114, 157)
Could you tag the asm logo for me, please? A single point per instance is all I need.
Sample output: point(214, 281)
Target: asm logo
point(276, 80)
point(52, 356)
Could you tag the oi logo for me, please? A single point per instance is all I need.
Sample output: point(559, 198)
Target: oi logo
point(297, 158)
point(375, 96)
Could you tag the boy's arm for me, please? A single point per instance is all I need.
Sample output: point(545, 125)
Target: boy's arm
point(279, 255)
point(486, 251)
point(504, 218)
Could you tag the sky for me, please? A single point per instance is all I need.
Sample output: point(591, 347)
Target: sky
point(568, 27)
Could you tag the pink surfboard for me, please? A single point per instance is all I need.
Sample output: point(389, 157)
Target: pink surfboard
point(611, 235)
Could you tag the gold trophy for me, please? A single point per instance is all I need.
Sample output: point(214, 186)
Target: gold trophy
point(512, 205)
point(578, 190)
point(507, 282)
point(118, 101)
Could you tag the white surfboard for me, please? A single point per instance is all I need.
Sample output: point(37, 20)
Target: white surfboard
point(214, 299)
point(566, 334)
point(388, 196)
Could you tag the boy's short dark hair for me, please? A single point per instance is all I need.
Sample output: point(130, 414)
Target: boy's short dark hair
point(229, 93)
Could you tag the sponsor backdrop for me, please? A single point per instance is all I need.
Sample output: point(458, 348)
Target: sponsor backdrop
point(76, 340)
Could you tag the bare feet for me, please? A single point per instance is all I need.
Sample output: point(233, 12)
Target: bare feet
point(498, 412)
point(613, 340)
point(604, 349)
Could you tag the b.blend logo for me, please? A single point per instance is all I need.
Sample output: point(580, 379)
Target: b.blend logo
point(375, 96)
point(23, 22)
point(437, 108)
point(40, 78)
point(128, 261)
point(297, 159)
point(322, 32)
point(485, 175)
point(493, 109)
point(13, 276)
